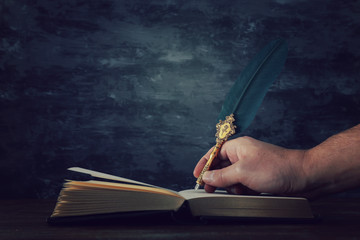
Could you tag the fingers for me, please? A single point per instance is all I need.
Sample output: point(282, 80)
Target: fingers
point(223, 161)
point(200, 165)
point(224, 177)
point(236, 189)
point(240, 189)
point(219, 162)
point(209, 188)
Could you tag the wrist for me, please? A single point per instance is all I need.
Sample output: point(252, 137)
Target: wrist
point(308, 171)
point(315, 179)
point(300, 176)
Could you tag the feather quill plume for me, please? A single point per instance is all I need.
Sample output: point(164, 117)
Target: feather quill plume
point(248, 92)
point(246, 95)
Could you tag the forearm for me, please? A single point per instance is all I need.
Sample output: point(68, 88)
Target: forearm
point(334, 165)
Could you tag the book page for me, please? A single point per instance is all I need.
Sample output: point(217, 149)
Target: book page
point(200, 193)
point(120, 186)
point(191, 193)
point(107, 176)
point(221, 204)
point(79, 198)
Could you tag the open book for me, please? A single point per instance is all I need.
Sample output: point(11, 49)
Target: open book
point(116, 195)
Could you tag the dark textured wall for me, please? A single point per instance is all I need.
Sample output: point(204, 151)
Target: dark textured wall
point(134, 88)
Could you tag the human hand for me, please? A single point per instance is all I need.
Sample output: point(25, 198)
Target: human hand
point(246, 165)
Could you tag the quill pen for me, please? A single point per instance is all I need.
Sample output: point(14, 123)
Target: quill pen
point(246, 95)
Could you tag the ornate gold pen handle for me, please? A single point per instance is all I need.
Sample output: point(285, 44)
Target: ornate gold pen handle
point(214, 153)
point(224, 129)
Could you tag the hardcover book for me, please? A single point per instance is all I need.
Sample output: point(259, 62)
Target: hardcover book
point(107, 196)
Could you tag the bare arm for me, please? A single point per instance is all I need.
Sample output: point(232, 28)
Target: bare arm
point(334, 165)
point(246, 164)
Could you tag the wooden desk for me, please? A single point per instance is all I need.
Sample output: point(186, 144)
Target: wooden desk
point(25, 219)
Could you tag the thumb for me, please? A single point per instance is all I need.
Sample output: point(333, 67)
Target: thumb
point(224, 177)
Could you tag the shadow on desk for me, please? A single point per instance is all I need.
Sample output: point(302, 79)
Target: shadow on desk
point(26, 219)
point(167, 218)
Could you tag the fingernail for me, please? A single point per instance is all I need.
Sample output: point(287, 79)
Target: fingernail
point(208, 176)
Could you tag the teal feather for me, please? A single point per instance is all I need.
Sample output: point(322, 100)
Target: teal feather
point(248, 92)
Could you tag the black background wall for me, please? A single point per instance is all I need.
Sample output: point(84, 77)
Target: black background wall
point(133, 88)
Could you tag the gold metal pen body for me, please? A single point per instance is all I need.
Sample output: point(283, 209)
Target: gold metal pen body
point(224, 129)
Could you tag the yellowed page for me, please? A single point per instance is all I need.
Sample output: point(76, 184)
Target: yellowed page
point(120, 186)
point(95, 197)
point(107, 176)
